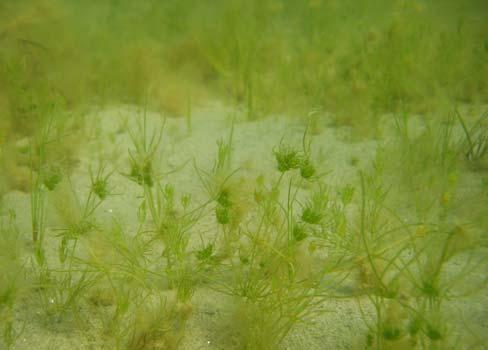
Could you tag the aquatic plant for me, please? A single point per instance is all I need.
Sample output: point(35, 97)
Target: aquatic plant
point(406, 265)
point(11, 280)
point(38, 191)
point(404, 238)
point(476, 140)
point(268, 274)
point(145, 147)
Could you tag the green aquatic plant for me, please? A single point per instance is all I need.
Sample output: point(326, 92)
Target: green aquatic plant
point(46, 175)
point(307, 169)
point(314, 211)
point(240, 52)
point(382, 265)
point(476, 139)
point(78, 218)
point(269, 274)
point(52, 176)
point(410, 265)
point(280, 256)
point(227, 192)
point(141, 157)
point(271, 278)
point(423, 154)
point(156, 324)
point(61, 287)
point(171, 223)
point(12, 281)
point(214, 180)
point(142, 317)
point(173, 226)
point(100, 186)
point(40, 182)
point(289, 157)
point(409, 246)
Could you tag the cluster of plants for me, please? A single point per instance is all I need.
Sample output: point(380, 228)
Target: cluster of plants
point(284, 245)
point(266, 56)
point(405, 240)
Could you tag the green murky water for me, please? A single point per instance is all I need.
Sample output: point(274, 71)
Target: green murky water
point(243, 174)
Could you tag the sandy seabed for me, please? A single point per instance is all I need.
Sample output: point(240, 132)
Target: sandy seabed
point(210, 325)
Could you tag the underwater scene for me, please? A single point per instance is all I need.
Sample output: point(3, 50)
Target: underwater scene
point(243, 174)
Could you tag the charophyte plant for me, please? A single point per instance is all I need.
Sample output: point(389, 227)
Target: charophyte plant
point(132, 265)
